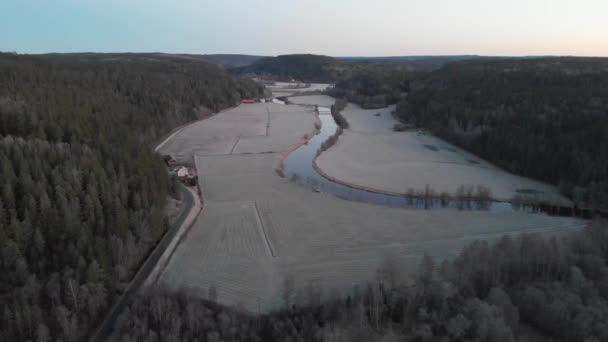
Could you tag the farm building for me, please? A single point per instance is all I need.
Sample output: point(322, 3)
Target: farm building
point(182, 172)
point(186, 175)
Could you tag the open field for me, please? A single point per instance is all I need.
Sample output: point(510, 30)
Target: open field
point(280, 89)
point(253, 128)
point(258, 228)
point(299, 87)
point(370, 154)
point(311, 100)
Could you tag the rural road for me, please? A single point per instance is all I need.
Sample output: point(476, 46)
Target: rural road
point(105, 329)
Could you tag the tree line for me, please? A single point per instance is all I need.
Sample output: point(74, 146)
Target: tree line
point(375, 85)
point(516, 288)
point(82, 195)
point(555, 109)
point(542, 118)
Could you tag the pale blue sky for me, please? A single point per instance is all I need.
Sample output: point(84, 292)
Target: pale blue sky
point(331, 27)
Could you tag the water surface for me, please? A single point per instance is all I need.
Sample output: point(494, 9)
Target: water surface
point(298, 168)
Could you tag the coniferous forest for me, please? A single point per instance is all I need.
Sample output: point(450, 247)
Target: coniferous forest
point(542, 118)
point(82, 203)
point(82, 194)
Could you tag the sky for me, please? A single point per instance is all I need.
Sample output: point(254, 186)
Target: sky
point(329, 27)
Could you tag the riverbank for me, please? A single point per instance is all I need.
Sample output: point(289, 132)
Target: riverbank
point(372, 156)
point(260, 229)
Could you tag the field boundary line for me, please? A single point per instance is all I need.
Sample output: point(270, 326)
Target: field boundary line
point(176, 242)
point(167, 255)
point(267, 121)
point(234, 146)
point(178, 129)
point(263, 230)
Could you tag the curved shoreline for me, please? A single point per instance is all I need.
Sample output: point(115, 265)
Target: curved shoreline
point(436, 201)
point(303, 141)
point(350, 185)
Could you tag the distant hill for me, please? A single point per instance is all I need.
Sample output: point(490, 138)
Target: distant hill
point(226, 61)
point(231, 61)
point(417, 63)
point(433, 59)
point(304, 68)
point(325, 69)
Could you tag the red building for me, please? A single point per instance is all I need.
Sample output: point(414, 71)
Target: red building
point(247, 101)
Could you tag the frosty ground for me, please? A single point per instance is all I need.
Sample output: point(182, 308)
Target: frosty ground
point(251, 128)
point(257, 229)
point(285, 89)
point(372, 155)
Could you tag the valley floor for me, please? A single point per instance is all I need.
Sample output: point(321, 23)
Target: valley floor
point(258, 229)
point(370, 154)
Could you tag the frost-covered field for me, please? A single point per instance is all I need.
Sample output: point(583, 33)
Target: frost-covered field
point(370, 154)
point(311, 100)
point(252, 128)
point(258, 228)
point(285, 89)
point(299, 87)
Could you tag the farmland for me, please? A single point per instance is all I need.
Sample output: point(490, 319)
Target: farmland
point(370, 154)
point(254, 128)
point(311, 100)
point(258, 229)
point(285, 89)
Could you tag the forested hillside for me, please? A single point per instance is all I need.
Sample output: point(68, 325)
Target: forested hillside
point(82, 194)
point(375, 85)
point(525, 289)
point(346, 71)
point(231, 61)
point(301, 68)
point(542, 118)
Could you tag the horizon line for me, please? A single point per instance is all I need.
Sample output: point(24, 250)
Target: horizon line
point(306, 53)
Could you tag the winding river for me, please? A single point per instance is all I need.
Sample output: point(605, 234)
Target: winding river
point(298, 167)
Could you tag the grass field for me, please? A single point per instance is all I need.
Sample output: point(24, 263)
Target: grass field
point(252, 128)
point(311, 100)
point(286, 89)
point(370, 154)
point(257, 229)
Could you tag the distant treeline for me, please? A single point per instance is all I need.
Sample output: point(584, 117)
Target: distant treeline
point(375, 85)
point(542, 118)
point(301, 68)
point(82, 195)
point(324, 69)
point(522, 288)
